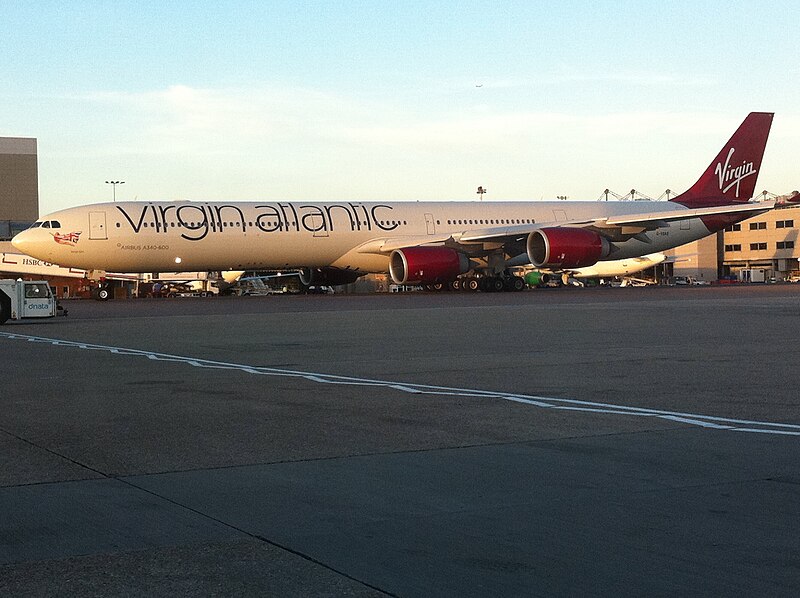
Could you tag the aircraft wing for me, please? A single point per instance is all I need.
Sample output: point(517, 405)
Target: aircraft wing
point(667, 216)
point(389, 244)
point(497, 234)
point(609, 226)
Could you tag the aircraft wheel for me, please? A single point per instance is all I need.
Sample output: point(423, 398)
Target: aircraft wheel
point(455, 285)
point(439, 287)
point(487, 284)
point(496, 284)
point(516, 283)
point(103, 294)
point(473, 284)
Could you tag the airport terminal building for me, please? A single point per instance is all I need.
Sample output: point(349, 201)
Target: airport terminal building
point(19, 185)
point(19, 208)
point(767, 242)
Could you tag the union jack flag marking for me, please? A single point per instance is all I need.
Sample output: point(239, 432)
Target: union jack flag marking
point(66, 239)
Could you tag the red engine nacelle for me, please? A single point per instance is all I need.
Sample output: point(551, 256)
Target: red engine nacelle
point(426, 265)
point(566, 247)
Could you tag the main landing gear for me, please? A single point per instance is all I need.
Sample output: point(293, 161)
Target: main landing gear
point(487, 284)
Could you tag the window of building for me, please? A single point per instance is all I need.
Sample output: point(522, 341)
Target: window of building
point(784, 224)
point(758, 225)
point(785, 245)
point(733, 247)
point(733, 228)
point(758, 246)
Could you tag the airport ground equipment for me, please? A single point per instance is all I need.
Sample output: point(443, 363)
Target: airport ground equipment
point(26, 299)
point(753, 275)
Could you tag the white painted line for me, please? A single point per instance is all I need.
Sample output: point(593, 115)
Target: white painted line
point(692, 419)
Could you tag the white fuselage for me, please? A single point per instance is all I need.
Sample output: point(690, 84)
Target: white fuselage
point(622, 267)
point(168, 236)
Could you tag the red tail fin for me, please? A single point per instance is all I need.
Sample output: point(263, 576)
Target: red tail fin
point(731, 177)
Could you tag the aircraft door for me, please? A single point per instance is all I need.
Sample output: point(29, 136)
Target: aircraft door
point(97, 225)
point(430, 224)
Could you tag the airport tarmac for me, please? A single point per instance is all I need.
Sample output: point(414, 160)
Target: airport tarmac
point(641, 441)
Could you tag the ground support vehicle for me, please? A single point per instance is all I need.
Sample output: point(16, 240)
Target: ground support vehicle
point(26, 299)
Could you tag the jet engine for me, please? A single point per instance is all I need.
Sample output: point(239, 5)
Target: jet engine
point(426, 265)
point(327, 276)
point(566, 247)
point(536, 278)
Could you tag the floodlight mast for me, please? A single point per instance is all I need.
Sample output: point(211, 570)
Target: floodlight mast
point(114, 188)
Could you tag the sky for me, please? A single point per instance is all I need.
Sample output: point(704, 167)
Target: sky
point(374, 100)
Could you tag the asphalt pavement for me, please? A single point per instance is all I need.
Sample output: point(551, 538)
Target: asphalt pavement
point(641, 441)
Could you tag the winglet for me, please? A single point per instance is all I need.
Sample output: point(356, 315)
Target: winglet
point(731, 177)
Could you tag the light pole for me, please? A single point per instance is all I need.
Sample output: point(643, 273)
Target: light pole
point(481, 191)
point(114, 188)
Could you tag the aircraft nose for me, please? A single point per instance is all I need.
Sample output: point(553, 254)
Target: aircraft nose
point(21, 241)
point(27, 242)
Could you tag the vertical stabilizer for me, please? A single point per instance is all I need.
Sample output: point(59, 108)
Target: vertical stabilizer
point(731, 177)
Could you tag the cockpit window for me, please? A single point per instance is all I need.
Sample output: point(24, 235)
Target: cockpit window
point(55, 224)
point(46, 224)
point(36, 225)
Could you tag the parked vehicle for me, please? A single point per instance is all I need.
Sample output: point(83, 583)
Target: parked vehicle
point(698, 282)
point(753, 275)
point(26, 299)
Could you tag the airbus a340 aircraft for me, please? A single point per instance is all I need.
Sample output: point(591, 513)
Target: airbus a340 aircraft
point(416, 242)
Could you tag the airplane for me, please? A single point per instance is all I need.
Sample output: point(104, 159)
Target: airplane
point(16, 263)
point(626, 267)
point(619, 269)
point(19, 264)
point(605, 269)
point(430, 243)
